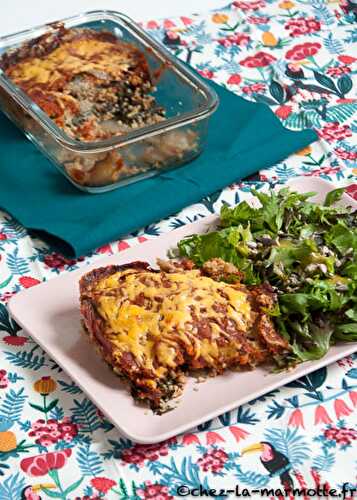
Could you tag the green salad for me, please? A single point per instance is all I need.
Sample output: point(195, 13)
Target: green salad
point(308, 254)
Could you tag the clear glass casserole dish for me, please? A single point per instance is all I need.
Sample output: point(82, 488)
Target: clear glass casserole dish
point(104, 122)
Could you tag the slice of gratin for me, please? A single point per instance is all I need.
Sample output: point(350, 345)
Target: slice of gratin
point(154, 326)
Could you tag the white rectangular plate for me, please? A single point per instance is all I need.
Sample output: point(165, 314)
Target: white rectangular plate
point(50, 313)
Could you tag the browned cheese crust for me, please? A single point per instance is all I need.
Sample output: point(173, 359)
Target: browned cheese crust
point(153, 326)
point(89, 82)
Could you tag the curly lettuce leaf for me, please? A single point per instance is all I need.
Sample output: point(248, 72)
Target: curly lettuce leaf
point(342, 237)
point(307, 251)
point(333, 196)
point(229, 244)
point(318, 345)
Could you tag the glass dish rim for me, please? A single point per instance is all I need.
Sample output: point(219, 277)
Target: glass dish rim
point(139, 134)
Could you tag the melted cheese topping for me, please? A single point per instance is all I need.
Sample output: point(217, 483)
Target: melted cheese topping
point(157, 316)
point(73, 57)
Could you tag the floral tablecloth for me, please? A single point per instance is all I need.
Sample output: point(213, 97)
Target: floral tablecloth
point(299, 57)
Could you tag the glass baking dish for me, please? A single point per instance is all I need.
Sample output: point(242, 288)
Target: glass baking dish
point(102, 165)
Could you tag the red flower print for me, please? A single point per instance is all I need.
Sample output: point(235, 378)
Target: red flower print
point(5, 297)
point(152, 25)
point(213, 460)
point(3, 379)
point(40, 465)
point(296, 419)
point(236, 39)
point(346, 155)
point(57, 261)
point(15, 340)
point(169, 24)
point(172, 35)
point(234, 79)
point(338, 70)
point(341, 409)
point(321, 416)
point(299, 52)
point(346, 101)
point(238, 433)
point(28, 282)
point(316, 477)
point(105, 249)
point(123, 245)
point(252, 89)
point(302, 26)
point(151, 452)
point(249, 4)
point(334, 132)
point(213, 438)
point(53, 431)
point(206, 73)
point(154, 491)
point(186, 20)
point(347, 59)
point(301, 480)
point(3, 237)
point(102, 484)
point(347, 361)
point(324, 170)
point(190, 439)
point(258, 20)
point(353, 394)
point(340, 435)
point(260, 60)
point(283, 111)
point(352, 191)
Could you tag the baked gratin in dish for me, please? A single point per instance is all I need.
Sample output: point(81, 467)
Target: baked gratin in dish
point(95, 86)
point(153, 327)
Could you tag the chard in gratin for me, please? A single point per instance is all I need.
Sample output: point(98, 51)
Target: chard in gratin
point(154, 326)
point(95, 86)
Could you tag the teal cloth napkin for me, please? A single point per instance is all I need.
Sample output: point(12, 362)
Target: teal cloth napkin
point(243, 138)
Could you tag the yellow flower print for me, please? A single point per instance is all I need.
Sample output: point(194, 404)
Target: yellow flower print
point(220, 18)
point(269, 39)
point(286, 4)
point(304, 152)
point(7, 441)
point(45, 385)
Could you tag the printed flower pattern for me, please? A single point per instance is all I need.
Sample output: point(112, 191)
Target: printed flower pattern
point(52, 431)
point(40, 465)
point(299, 58)
point(301, 51)
point(102, 484)
point(248, 5)
point(59, 262)
point(332, 132)
point(340, 435)
point(154, 491)
point(302, 26)
point(236, 39)
point(213, 461)
point(4, 382)
point(259, 60)
point(140, 453)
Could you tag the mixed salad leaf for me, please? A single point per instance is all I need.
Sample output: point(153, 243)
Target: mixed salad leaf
point(308, 254)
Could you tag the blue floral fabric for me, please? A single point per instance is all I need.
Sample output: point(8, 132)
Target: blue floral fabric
point(298, 57)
